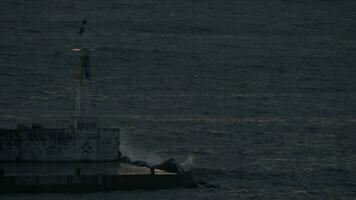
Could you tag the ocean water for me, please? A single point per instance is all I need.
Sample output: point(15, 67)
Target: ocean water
point(260, 97)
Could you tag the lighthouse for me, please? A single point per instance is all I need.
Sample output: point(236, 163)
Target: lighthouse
point(84, 115)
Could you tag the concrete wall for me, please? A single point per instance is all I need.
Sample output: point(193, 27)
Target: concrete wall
point(59, 144)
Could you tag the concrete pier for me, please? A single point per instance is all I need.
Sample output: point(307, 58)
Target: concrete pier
point(93, 176)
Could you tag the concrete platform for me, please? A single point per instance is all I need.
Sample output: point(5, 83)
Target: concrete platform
point(85, 177)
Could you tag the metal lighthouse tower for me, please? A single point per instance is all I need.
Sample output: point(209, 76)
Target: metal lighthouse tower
point(84, 114)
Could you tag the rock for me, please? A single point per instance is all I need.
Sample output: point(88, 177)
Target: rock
point(125, 159)
point(170, 165)
point(140, 163)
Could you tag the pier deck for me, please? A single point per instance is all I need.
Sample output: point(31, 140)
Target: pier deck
point(84, 177)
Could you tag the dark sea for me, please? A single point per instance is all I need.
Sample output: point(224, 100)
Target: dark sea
point(259, 96)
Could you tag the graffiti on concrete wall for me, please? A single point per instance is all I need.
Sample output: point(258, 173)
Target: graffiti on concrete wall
point(59, 144)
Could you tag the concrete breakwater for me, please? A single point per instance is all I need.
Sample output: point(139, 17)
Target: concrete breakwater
point(85, 177)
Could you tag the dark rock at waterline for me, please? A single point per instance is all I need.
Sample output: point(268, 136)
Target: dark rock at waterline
point(140, 163)
point(170, 165)
point(125, 159)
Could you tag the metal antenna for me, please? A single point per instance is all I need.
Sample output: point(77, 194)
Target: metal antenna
point(83, 98)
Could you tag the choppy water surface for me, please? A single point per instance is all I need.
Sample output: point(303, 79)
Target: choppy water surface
point(260, 96)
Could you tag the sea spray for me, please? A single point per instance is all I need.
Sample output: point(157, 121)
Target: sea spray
point(135, 153)
point(187, 165)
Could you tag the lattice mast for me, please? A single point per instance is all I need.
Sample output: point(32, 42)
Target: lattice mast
point(83, 106)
